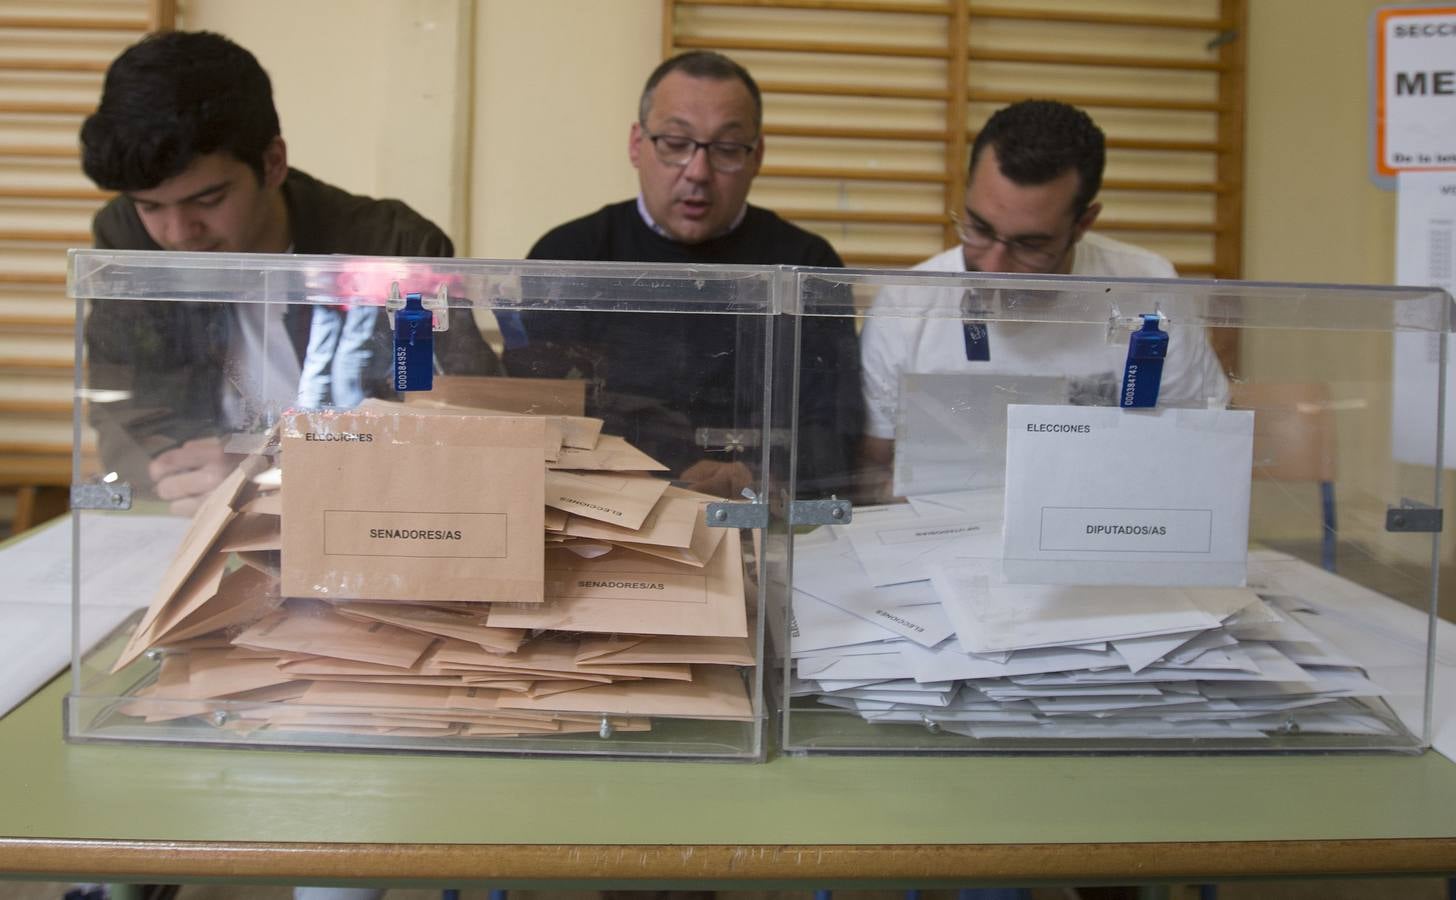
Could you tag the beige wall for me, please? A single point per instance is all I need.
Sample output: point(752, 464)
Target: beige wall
point(373, 97)
point(1312, 213)
point(556, 84)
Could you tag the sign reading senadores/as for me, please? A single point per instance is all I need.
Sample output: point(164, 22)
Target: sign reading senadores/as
point(1415, 89)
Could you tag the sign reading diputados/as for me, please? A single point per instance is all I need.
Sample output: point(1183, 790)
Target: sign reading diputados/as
point(1414, 81)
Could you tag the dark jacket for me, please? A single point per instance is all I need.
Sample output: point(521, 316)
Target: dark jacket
point(156, 368)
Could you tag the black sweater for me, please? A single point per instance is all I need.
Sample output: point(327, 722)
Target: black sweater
point(657, 378)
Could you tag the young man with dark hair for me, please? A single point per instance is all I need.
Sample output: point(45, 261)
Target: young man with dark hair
point(659, 379)
point(1035, 170)
point(187, 132)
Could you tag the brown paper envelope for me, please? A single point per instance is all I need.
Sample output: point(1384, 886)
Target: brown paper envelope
point(582, 547)
point(269, 562)
point(265, 504)
point(624, 500)
point(402, 696)
point(491, 677)
point(701, 650)
point(670, 523)
point(244, 595)
point(547, 688)
point(591, 647)
point(436, 680)
point(218, 640)
point(462, 625)
point(425, 406)
point(550, 656)
point(319, 666)
point(702, 543)
point(611, 454)
point(299, 718)
point(319, 630)
point(200, 586)
point(577, 431)
point(716, 692)
point(540, 396)
point(555, 519)
point(214, 673)
point(626, 592)
point(618, 723)
point(207, 523)
point(404, 507)
point(488, 720)
point(252, 531)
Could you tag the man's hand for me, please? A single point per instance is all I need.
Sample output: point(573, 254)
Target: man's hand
point(185, 475)
point(723, 479)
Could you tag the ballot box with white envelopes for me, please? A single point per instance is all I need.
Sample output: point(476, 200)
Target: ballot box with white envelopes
point(438, 505)
point(1111, 515)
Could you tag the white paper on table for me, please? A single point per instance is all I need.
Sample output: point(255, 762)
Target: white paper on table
point(946, 662)
point(123, 559)
point(1101, 495)
point(815, 625)
point(833, 575)
point(990, 616)
point(1140, 652)
point(882, 665)
point(898, 551)
point(980, 504)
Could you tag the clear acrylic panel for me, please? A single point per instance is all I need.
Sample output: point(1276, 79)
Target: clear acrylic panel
point(276, 547)
point(1249, 564)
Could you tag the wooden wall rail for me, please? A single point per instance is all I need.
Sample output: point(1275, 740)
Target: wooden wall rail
point(871, 107)
point(49, 204)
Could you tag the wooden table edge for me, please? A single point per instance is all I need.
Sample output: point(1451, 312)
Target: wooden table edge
point(139, 860)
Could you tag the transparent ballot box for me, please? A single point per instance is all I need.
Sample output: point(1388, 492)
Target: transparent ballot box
point(406, 504)
point(1118, 515)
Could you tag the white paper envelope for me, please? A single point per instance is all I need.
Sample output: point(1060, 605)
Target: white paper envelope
point(1102, 495)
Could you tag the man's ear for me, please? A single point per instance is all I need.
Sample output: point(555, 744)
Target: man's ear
point(634, 144)
point(1085, 221)
point(275, 162)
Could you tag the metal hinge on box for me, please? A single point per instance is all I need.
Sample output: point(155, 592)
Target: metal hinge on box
point(755, 513)
point(100, 495)
point(1413, 516)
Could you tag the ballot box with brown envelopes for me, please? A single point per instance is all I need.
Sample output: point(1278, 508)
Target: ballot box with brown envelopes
point(520, 564)
point(1040, 560)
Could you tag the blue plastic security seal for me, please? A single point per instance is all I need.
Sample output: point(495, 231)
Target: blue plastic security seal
point(978, 341)
point(414, 346)
point(1146, 350)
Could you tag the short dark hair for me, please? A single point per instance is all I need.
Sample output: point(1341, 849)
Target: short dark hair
point(702, 64)
point(171, 97)
point(1037, 140)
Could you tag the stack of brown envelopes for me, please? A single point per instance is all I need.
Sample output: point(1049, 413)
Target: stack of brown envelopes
point(416, 570)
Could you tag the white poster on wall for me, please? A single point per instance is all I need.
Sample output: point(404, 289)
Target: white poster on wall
point(1425, 247)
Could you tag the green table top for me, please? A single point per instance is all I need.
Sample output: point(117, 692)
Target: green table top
point(64, 799)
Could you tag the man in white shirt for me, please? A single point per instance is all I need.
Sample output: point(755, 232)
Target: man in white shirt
point(1035, 171)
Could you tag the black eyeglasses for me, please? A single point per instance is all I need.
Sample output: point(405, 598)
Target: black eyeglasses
point(679, 150)
point(1036, 255)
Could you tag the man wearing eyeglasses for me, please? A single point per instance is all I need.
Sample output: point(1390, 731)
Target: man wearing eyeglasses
point(674, 384)
point(1036, 168)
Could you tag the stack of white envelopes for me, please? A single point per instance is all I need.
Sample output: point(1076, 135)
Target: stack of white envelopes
point(906, 616)
point(447, 572)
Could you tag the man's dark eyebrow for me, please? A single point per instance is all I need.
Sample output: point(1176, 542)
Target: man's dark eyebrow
point(977, 220)
point(196, 195)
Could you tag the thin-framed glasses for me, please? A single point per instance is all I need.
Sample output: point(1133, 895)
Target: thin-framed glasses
point(679, 150)
point(1038, 255)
